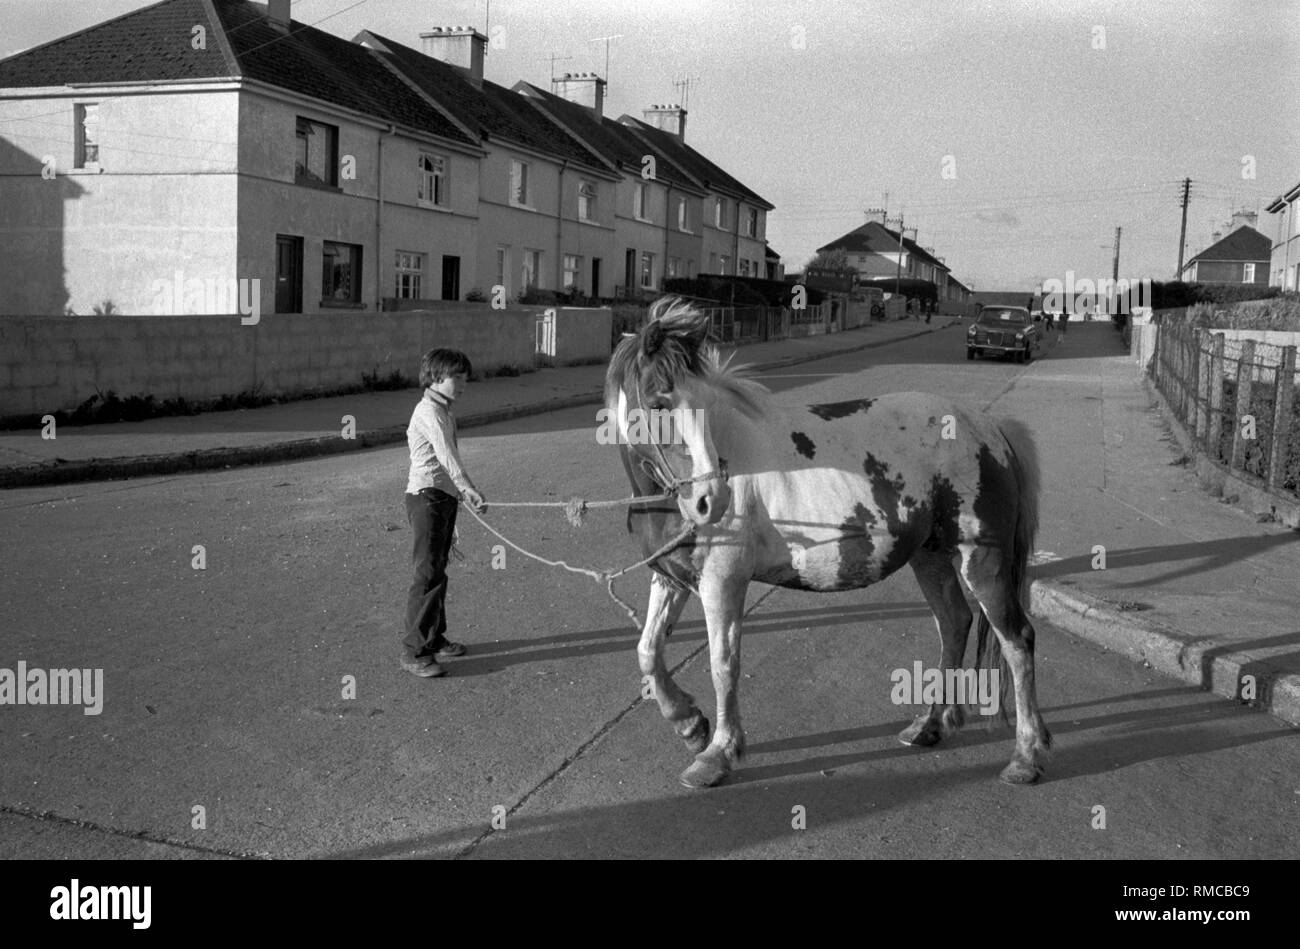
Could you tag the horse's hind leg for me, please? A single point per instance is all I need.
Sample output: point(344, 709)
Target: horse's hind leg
point(666, 604)
point(724, 605)
point(987, 572)
point(942, 589)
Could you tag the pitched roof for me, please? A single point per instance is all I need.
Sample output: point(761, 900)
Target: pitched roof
point(696, 165)
point(1283, 199)
point(873, 237)
point(153, 45)
point(613, 142)
point(490, 111)
point(1245, 243)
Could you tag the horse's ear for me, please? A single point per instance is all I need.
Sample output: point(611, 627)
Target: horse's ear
point(652, 338)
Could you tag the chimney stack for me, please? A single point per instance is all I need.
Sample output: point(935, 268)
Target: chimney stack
point(278, 10)
point(458, 46)
point(1242, 219)
point(584, 88)
point(669, 118)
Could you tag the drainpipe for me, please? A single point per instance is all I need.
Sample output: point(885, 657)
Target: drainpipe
point(668, 211)
point(559, 231)
point(735, 254)
point(379, 224)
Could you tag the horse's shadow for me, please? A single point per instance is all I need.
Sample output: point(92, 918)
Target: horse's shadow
point(1197, 557)
point(753, 810)
point(487, 658)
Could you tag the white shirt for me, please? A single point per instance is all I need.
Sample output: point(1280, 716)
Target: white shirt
point(431, 440)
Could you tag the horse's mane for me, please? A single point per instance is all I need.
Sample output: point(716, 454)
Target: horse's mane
point(673, 345)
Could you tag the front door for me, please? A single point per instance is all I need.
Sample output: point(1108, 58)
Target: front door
point(288, 274)
point(629, 272)
point(595, 278)
point(450, 278)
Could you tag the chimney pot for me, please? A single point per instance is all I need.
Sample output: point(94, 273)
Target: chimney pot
point(669, 118)
point(461, 47)
point(585, 89)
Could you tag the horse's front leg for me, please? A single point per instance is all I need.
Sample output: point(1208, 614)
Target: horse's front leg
point(724, 606)
point(677, 706)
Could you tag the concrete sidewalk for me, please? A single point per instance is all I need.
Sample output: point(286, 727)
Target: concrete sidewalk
point(312, 427)
point(1133, 554)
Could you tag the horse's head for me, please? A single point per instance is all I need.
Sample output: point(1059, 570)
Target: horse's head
point(656, 390)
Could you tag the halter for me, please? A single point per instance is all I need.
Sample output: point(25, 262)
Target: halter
point(664, 473)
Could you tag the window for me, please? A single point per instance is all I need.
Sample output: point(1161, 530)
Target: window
point(647, 270)
point(639, 201)
point(586, 201)
point(726, 264)
point(751, 223)
point(572, 266)
point(503, 266)
point(531, 269)
point(433, 179)
point(721, 213)
point(674, 267)
point(341, 273)
point(1248, 273)
point(318, 154)
point(713, 263)
point(744, 266)
point(519, 183)
point(683, 221)
point(410, 271)
point(87, 135)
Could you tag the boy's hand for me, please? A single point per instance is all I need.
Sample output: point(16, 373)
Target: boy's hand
point(474, 500)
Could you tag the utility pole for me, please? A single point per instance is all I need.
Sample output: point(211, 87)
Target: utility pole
point(1114, 269)
point(898, 274)
point(1182, 235)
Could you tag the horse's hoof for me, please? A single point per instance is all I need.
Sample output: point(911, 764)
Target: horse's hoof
point(1020, 772)
point(922, 733)
point(697, 739)
point(704, 773)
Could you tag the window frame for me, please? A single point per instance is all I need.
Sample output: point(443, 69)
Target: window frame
point(1248, 272)
point(355, 264)
point(534, 257)
point(520, 182)
point(440, 181)
point(751, 223)
point(587, 196)
point(413, 268)
point(302, 173)
point(574, 272)
point(641, 201)
point(683, 216)
point(81, 111)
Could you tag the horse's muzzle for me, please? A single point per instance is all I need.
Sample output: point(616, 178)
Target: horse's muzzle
point(707, 503)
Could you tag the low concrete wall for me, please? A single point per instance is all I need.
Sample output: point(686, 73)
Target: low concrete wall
point(575, 335)
point(49, 363)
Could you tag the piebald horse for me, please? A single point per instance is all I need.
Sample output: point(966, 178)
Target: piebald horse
point(824, 498)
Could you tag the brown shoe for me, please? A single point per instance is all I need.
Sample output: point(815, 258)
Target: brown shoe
point(424, 667)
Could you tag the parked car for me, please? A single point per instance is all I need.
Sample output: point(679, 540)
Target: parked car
point(1005, 330)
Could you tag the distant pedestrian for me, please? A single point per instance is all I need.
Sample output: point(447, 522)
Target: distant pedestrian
point(434, 487)
point(1064, 320)
point(929, 310)
point(915, 316)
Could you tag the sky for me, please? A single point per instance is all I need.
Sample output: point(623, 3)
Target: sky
point(1014, 135)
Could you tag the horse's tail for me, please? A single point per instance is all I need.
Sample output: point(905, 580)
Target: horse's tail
point(1024, 463)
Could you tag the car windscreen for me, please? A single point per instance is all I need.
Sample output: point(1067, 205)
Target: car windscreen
point(1002, 317)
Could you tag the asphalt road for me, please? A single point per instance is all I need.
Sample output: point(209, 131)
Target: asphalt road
point(224, 686)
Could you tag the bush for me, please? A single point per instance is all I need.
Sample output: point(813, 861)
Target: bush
point(476, 295)
point(1281, 312)
point(1172, 294)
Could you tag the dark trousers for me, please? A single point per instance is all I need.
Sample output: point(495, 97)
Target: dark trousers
point(432, 514)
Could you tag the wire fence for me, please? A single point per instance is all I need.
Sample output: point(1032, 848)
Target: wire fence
point(1239, 397)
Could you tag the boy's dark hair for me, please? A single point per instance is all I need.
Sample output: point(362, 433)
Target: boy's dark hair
point(438, 364)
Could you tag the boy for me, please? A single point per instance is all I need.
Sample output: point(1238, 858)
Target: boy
point(437, 480)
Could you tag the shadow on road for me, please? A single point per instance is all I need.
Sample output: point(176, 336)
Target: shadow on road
point(730, 819)
point(1200, 556)
point(490, 657)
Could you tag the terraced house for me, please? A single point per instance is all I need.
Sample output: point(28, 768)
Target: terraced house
point(171, 159)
